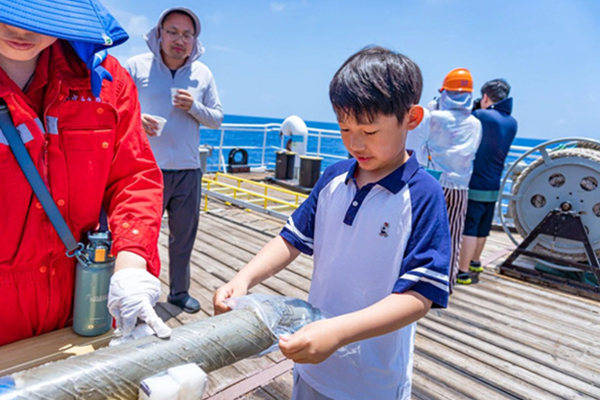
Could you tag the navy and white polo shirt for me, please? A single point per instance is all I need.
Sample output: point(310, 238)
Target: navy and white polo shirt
point(387, 237)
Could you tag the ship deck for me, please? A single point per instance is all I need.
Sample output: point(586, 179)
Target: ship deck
point(499, 338)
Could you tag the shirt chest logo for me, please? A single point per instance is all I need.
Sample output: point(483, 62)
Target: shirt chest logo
point(384, 231)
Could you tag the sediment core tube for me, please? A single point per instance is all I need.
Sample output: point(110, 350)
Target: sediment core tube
point(116, 372)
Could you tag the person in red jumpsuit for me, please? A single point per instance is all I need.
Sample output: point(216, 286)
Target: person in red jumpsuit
point(78, 114)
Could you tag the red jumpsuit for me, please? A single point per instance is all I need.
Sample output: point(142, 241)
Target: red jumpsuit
point(91, 152)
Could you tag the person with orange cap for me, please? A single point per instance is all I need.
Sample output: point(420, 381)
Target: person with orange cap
point(446, 142)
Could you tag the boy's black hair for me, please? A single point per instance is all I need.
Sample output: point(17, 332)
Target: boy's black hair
point(375, 80)
point(496, 89)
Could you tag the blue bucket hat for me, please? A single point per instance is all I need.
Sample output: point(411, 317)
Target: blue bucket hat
point(86, 24)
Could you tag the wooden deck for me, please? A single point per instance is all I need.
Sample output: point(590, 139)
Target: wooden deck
point(498, 339)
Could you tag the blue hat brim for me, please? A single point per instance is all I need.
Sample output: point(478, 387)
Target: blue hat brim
point(84, 21)
point(86, 24)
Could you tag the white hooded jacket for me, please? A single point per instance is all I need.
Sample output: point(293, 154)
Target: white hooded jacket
point(177, 147)
point(450, 135)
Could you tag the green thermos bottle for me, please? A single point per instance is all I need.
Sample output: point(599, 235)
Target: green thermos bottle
point(92, 279)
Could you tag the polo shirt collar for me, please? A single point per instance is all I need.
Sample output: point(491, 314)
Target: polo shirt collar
point(395, 181)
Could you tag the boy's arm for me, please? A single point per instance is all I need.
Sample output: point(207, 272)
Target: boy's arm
point(274, 257)
point(297, 236)
point(317, 341)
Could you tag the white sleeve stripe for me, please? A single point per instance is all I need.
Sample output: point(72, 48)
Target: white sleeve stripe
point(414, 278)
point(430, 273)
point(306, 240)
point(292, 227)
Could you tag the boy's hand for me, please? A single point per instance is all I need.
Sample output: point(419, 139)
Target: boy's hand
point(227, 291)
point(312, 344)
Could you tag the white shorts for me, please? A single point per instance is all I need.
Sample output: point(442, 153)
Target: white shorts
point(303, 391)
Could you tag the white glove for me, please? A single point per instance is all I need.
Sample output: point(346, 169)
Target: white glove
point(140, 331)
point(133, 293)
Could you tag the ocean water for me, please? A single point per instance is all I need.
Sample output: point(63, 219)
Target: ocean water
point(252, 142)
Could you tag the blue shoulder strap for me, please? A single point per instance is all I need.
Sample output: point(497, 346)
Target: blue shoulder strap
point(37, 184)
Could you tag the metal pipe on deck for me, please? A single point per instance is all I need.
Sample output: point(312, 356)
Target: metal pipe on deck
point(116, 372)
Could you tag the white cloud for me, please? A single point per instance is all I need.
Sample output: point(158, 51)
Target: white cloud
point(135, 24)
point(138, 25)
point(277, 7)
point(289, 6)
point(213, 19)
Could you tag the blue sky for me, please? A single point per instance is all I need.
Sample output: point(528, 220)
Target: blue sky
point(276, 58)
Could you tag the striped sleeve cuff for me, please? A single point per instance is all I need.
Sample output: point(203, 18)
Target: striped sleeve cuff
point(296, 238)
point(430, 284)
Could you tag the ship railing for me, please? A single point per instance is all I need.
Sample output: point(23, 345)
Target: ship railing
point(265, 137)
point(263, 140)
point(251, 195)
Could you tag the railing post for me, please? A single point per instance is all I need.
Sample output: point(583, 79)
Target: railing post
point(221, 159)
point(319, 143)
point(206, 196)
point(262, 160)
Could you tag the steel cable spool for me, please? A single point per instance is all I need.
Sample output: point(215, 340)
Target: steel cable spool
point(564, 177)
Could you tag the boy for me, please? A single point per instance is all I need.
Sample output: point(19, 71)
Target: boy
point(378, 228)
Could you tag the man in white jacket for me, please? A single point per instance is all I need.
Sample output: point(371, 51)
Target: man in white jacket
point(172, 66)
point(446, 142)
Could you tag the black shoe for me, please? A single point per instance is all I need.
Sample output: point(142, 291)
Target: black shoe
point(463, 278)
point(475, 266)
point(186, 302)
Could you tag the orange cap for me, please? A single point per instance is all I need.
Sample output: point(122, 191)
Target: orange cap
point(458, 80)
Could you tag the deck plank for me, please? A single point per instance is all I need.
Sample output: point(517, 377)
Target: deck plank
point(501, 376)
point(527, 320)
point(448, 382)
point(281, 387)
point(493, 356)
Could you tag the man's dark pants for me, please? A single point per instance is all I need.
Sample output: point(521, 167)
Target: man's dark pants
point(182, 196)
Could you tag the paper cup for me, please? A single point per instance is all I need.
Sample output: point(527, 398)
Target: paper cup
point(161, 124)
point(173, 94)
